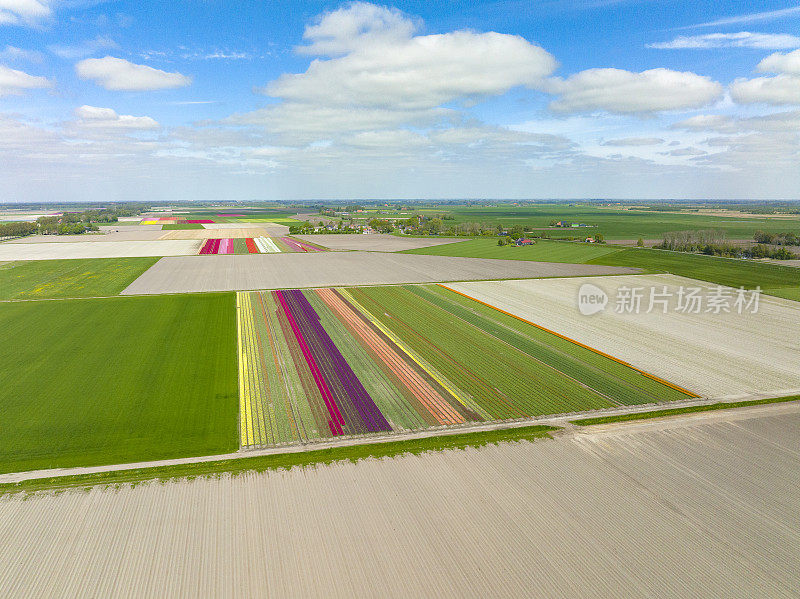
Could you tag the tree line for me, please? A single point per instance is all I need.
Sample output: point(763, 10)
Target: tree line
point(69, 223)
point(712, 242)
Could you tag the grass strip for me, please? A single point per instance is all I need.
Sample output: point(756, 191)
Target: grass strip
point(678, 411)
point(722, 271)
point(302, 459)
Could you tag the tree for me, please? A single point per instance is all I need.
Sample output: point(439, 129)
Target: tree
point(640, 243)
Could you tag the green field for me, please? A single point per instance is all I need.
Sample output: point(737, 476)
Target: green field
point(107, 381)
point(181, 226)
point(512, 369)
point(790, 293)
point(723, 271)
point(91, 277)
point(613, 223)
point(542, 251)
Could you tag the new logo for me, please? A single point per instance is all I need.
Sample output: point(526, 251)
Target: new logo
point(591, 299)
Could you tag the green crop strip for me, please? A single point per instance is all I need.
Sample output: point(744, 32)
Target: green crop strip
point(502, 379)
point(607, 377)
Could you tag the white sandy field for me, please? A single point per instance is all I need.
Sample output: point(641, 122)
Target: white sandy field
point(292, 270)
point(273, 229)
point(376, 242)
point(97, 249)
point(235, 232)
point(700, 507)
point(120, 234)
point(714, 355)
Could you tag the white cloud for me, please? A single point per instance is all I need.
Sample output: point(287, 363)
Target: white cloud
point(387, 139)
point(781, 90)
point(227, 55)
point(776, 122)
point(686, 152)
point(13, 82)
point(742, 39)
point(19, 54)
point(634, 141)
point(755, 17)
point(704, 122)
point(619, 91)
point(82, 49)
point(384, 65)
point(23, 12)
point(343, 30)
point(781, 63)
point(118, 74)
point(106, 118)
point(304, 122)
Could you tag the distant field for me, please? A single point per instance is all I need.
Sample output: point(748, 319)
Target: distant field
point(542, 251)
point(251, 219)
point(178, 227)
point(613, 223)
point(90, 277)
point(80, 250)
point(243, 215)
point(329, 362)
point(106, 381)
point(724, 271)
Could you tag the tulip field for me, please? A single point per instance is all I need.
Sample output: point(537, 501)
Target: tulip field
point(174, 220)
point(256, 245)
point(324, 363)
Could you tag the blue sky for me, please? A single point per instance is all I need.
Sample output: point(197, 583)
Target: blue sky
point(205, 99)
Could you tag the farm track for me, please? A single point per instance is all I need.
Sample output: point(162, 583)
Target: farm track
point(715, 494)
point(557, 420)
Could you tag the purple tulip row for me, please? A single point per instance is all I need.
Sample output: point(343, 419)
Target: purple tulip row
point(358, 408)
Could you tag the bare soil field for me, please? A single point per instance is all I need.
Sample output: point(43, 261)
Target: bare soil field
point(795, 263)
point(328, 269)
point(97, 249)
point(711, 354)
point(124, 234)
point(648, 243)
point(374, 243)
point(706, 508)
point(272, 229)
point(233, 233)
point(128, 226)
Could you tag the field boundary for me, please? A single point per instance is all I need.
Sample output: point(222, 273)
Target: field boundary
point(680, 411)
point(231, 459)
point(597, 351)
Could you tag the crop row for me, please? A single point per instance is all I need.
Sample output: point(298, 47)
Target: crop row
point(332, 362)
point(255, 245)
